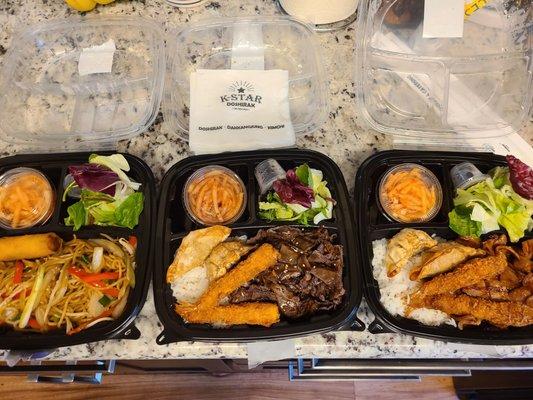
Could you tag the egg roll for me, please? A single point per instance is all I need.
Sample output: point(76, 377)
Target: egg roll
point(27, 247)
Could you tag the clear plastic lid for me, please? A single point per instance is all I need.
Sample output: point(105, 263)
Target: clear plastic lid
point(478, 85)
point(255, 43)
point(95, 80)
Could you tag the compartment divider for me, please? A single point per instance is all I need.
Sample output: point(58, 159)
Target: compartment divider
point(253, 195)
point(449, 194)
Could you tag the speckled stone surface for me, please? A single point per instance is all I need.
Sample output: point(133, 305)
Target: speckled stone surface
point(341, 138)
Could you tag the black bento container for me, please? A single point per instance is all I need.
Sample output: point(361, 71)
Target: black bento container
point(372, 225)
point(173, 224)
point(54, 167)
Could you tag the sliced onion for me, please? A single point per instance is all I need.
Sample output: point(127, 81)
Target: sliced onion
point(39, 315)
point(108, 245)
point(119, 308)
point(98, 259)
point(129, 248)
point(94, 307)
point(96, 321)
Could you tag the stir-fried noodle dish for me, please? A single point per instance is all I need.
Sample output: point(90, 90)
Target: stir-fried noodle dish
point(79, 284)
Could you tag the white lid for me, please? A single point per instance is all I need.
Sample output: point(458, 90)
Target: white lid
point(47, 98)
point(261, 42)
point(478, 85)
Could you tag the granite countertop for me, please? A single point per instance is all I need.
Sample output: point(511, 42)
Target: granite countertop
point(342, 138)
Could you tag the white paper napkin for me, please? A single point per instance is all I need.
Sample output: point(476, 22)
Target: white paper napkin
point(233, 110)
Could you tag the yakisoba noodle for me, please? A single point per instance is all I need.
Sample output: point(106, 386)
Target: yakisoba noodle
point(85, 282)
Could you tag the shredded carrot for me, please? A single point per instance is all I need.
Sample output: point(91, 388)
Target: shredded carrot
point(408, 196)
point(25, 199)
point(215, 197)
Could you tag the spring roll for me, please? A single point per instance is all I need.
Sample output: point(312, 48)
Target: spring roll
point(27, 247)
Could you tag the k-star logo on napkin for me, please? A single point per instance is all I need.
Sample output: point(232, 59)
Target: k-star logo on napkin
point(241, 96)
point(234, 110)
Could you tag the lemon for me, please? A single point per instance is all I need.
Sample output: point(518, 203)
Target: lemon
point(81, 5)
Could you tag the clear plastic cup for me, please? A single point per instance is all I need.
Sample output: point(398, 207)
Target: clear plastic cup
point(389, 203)
point(74, 192)
point(267, 172)
point(212, 210)
point(26, 198)
point(465, 175)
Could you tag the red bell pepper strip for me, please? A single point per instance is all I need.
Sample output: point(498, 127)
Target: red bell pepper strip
point(133, 241)
point(89, 278)
point(96, 280)
point(110, 291)
point(19, 269)
point(34, 324)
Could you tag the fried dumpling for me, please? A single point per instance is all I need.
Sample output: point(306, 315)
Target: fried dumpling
point(223, 256)
point(404, 245)
point(442, 258)
point(194, 250)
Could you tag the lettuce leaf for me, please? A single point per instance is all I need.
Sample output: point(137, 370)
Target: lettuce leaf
point(118, 164)
point(302, 197)
point(128, 212)
point(77, 217)
point(94, 177)
point(462, 224)
point(489, 205)
point(101, 209)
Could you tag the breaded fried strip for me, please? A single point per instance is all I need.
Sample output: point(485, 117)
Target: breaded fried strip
point(468, 274)
point(500, 313)
point(258, 261)
point(264, 314)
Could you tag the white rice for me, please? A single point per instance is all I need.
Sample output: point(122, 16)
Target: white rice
point(395, 291)
point(190, 286)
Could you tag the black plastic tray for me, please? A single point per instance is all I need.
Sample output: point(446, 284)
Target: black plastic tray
point(374, 225)
point(173, 224)
point(54, 166)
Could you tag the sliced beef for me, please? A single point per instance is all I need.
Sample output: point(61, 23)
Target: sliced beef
point(307, 277)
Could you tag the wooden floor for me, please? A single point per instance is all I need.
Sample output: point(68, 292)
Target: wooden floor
point(252, 386)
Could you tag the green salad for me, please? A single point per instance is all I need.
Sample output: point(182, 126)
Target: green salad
point(491, 205)
point(108, 196)
point(302, 196)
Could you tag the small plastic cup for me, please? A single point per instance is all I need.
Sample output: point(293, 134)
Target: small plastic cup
point(267, 172)
point(428, 178)
point(465, 175)
point(39, 213)
point(75, 192)
point(198, 178)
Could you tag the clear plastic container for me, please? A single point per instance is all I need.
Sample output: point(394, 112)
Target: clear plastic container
point(214, 186)
point(478, 86)
point(44, 99)
point(392, 203)
point(26, 198)
point(275, 42)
